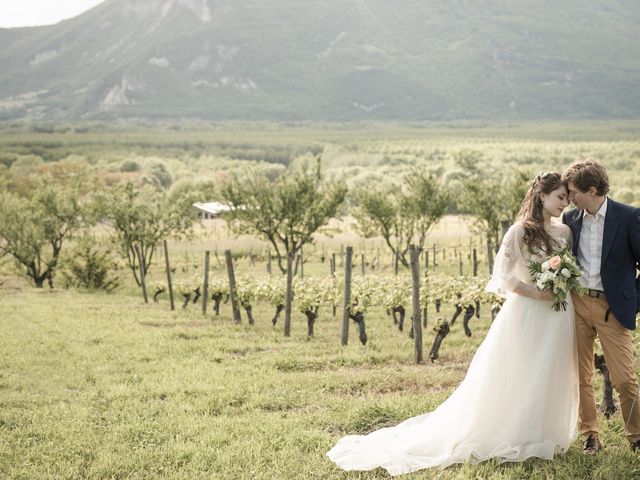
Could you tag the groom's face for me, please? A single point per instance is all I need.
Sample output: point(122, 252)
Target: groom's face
point(580, 199)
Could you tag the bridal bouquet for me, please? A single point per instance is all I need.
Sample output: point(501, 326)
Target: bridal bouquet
point(559, 275)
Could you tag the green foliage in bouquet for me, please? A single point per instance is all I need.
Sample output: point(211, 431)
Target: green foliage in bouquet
point(559, 274)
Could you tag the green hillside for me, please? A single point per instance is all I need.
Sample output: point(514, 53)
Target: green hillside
point(327, 60)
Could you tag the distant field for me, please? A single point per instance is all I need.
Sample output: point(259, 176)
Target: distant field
point(362, 153)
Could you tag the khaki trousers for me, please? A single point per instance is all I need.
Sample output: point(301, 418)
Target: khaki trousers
point(618, 352)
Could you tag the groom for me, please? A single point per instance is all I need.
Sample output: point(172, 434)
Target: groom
point(606, 242)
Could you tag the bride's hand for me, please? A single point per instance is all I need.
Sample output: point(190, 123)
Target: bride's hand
point(545, 295)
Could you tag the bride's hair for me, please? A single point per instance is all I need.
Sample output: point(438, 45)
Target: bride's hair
point(535, 234)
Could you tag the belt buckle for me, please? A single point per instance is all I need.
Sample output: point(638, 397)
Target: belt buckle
point(595, 293)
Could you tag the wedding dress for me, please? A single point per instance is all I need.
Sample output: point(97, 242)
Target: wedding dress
point(519, 398)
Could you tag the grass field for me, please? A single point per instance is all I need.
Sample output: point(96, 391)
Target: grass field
point(103, 386)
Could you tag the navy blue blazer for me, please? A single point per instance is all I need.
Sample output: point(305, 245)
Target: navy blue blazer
point(620, 258)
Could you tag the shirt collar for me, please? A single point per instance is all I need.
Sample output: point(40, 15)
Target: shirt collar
point(602, 212)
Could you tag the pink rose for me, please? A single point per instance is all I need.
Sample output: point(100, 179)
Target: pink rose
point(554, 262)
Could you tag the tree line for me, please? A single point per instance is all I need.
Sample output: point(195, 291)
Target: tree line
point(39, 220)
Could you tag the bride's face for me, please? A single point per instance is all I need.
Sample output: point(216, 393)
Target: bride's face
point(555, 202)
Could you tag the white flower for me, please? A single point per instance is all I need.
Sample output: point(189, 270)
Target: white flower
point(540, 284)
point(545, 265)
point(546, 276)
point(565, 272)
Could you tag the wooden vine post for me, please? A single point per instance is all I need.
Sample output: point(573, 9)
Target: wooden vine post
point(289, 295)
point(426, 281)
point(205, 289)
point(296, 264)
point(168, 268)
point(347, 296)
point(416, 323)
point(490, 257)
point(232, 287)
point(475, 262)
point(333, 274)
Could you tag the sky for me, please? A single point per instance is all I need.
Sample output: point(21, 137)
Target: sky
point(25, 13)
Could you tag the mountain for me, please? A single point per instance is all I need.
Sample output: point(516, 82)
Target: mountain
point(327, 60)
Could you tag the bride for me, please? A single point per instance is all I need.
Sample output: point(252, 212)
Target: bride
point(519, 398)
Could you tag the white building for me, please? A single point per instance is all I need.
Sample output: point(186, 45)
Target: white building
point(211, 209)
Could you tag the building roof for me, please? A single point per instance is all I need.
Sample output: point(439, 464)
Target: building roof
point(214, 208)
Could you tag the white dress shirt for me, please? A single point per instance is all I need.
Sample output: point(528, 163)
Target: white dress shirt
point(590, 247)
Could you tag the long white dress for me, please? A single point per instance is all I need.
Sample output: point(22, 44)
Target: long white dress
point(519, 398)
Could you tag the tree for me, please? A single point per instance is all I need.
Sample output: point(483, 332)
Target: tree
point(405, 215)
point(285, 212)
point(491, 199)
point(33, 229)
point(144, 217)
point(160, 174)
point(184, 193)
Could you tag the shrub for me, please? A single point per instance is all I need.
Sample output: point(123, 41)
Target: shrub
point(130, 166)
point(87, 266)
point(161, 174)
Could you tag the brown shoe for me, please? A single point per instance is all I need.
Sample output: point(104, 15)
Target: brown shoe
point(592, 445)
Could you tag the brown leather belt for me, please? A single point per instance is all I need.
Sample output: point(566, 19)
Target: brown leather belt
point(595, 293)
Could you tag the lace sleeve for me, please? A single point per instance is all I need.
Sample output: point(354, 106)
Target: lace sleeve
point(562, 236)
point(509, 261)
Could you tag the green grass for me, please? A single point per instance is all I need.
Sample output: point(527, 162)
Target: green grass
point(99, 386)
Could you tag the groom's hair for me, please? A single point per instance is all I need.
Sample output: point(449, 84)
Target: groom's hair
point(587, 173)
